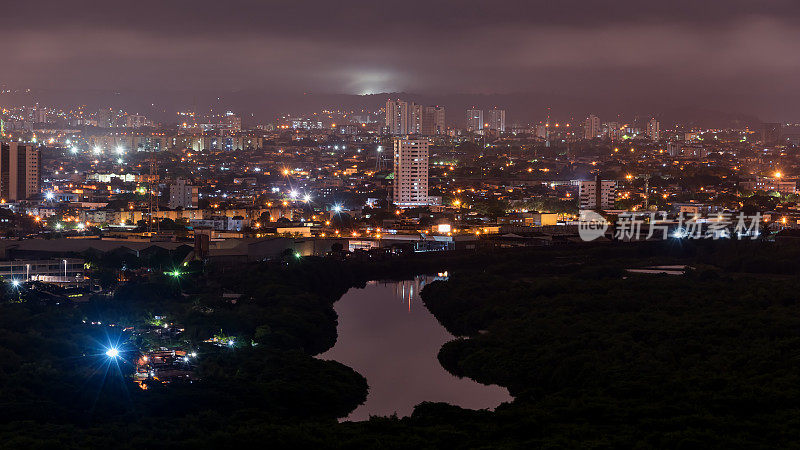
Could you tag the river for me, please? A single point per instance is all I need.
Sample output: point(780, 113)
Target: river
point(387, 335)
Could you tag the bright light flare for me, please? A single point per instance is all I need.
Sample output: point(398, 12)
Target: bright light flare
point(112, 352)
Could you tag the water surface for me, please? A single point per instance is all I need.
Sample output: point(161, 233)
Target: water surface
point(388, 336)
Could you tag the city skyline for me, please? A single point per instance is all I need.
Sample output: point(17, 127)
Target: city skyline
point(512, 224)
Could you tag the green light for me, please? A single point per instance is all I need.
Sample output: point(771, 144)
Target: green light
point(297, 255)
point(175, 273)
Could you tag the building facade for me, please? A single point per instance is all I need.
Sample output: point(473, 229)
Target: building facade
point(497, 119)
point(654, 130)
point(398, 117)
point(20, 171)
point(613, 131)
point(230, 122)
point(474, 120)
point(591, 127)
point(183, 195)
point(410, 172)
point(404, 118)
point(432, 122)
point(769, 184)
point(597, 194)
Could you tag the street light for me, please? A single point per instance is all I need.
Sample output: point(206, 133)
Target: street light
point(174, 273)
point(112, 353)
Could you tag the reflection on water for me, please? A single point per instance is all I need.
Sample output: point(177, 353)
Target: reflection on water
point(408, 290)
point(387, 335)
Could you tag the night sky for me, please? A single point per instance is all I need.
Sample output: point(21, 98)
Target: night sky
point(732, 55)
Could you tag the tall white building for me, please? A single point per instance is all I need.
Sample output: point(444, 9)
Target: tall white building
point(497, 119)
point(20, 171)
point(597, 194)
point(399, 117)
point(416, 118)
point(591, 127)
point(410, 118)
point(410, 172)
point(432, 122)
point(183, 195)
point(654, 130)
point(474, 120)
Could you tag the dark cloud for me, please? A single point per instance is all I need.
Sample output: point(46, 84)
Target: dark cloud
point(728, 53)
point(320, 18)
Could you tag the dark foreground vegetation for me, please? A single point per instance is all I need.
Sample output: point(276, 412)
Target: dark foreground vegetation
point(595, 356)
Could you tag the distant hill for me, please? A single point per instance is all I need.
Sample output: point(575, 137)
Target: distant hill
point(260, 107)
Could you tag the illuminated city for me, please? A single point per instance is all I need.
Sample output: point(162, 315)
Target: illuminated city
point(521, 225)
